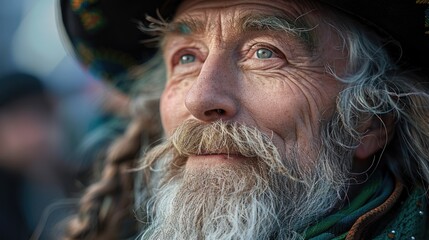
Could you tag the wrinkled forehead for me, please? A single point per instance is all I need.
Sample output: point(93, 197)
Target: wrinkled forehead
point(304, 19)
point(289, 8)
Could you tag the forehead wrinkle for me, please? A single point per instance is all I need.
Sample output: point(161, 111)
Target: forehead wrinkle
point(280, 21)
point(194, 25)
point(198, 25)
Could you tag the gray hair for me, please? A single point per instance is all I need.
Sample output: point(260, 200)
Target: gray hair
point(377, 87)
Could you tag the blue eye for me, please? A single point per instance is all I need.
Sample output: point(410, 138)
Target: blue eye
point(187, 58)
point(264, 53)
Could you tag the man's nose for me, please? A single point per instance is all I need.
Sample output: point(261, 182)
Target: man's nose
point(213, 96)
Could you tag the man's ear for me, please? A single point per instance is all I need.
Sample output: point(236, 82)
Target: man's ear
point(378, 131)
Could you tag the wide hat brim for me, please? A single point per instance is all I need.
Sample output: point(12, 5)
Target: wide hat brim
point(104, 35)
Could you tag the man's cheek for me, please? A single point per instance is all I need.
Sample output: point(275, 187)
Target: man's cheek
point(167, 112)
point(173, 110)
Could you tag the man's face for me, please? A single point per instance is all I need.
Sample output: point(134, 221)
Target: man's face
point(245, 106)
point(227, 62)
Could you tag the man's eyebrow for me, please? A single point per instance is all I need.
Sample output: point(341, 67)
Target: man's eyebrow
point(298, 27)
point(186, 26)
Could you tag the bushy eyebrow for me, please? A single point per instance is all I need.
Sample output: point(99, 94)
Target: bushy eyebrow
point(298, 27)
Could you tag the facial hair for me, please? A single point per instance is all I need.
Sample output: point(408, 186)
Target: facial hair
point(268, 197)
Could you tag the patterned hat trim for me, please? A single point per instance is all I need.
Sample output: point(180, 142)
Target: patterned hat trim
point(103, 62)
point(92, 19)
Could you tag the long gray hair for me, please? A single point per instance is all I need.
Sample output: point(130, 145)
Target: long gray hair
point(378, 86)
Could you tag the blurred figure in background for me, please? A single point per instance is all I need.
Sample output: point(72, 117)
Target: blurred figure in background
point(33, 173)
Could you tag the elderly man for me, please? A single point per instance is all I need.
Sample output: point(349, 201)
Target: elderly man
point(282, 119)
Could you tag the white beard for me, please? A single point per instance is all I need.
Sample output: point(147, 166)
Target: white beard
point(245, 202)
point(236, 204)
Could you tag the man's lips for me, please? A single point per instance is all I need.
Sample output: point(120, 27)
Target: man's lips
point(218, 153)
point(215, 158)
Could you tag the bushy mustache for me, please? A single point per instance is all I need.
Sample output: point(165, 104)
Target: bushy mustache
point(230, 138)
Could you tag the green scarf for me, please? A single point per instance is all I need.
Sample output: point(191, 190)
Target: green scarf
point(374, 193)
point(336, 226)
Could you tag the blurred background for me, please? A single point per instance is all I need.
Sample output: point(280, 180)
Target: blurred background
point(30, 42)
point(48, 103)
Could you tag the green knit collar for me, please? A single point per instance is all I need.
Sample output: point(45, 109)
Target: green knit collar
point(336, 226)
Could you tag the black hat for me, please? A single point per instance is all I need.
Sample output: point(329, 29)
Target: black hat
point(105, 37)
